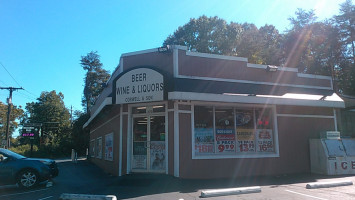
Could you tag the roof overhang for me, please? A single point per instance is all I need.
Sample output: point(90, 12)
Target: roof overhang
point(333, 101)
point(107, 101)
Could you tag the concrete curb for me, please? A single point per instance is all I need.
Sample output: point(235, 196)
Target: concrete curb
point(316, 185)
point(66, 196)
point(230, 191)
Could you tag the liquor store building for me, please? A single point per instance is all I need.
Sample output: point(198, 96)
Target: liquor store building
point(197, 115)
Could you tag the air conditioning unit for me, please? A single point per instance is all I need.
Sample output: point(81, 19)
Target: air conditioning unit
point(330, 135)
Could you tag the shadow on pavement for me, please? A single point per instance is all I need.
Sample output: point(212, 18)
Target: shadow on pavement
point(87, 178)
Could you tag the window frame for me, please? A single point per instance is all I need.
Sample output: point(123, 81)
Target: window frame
point(236, 154)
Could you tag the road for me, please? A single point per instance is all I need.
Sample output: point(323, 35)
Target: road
point(85, 178)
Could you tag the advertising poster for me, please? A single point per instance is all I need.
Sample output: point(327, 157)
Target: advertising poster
point(109, 147)
point(246, 140)
point(99, 147)
point(139, 162)
point(157, 155)
point(139, 155)
point(225, 140)
point(264, 140)
point(204, 142)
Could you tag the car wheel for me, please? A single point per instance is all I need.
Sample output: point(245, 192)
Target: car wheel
point(28, 178)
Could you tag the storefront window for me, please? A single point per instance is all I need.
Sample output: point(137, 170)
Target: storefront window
point(204, 134)
point(225, 134)
point(264, 131)
point(233, 131)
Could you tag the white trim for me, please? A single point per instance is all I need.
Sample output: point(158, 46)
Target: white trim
point(129, 140)
point(185, 111)
point(140, 52)
point(253, 82)
point(108, 121)
point(175, 62)
point(335, 120)
point(184, 48)
point(276, 132)
point(121, 66)
point(306, 116)
point(166, 140)
point(170, 110)
point(192, 131)
point(120, 148)
point(107, 101)
point(314, 76)
point(253, 99)
point(176, 141)
point(279, 68)
point(238, 155)
point(215, 56)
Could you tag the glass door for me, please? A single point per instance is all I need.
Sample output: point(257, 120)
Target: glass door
point(157, 143)
point(149, 144)
point(140, 136)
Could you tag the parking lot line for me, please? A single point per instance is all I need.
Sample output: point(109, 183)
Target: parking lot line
point(305, 195)
point(7, 195)
point(46, 198)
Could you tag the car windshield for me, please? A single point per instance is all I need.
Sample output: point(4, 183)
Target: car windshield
point(11, 154)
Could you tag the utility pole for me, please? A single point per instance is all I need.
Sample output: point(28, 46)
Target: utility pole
point(9, 104)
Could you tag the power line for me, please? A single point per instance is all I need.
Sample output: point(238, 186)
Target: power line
point(3, 82)
point(10, 74)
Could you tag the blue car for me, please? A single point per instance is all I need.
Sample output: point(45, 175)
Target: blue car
point(26, 172)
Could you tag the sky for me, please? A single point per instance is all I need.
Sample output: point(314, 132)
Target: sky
point(41, 42)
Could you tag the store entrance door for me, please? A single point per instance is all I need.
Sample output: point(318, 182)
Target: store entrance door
point(148, 143)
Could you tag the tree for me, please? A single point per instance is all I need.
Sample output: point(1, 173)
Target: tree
point(216, 36)
point(15, 117)
point(207, 35)
point(55, 118)
point(94, 80)
point(345, 23)
point(80, 136)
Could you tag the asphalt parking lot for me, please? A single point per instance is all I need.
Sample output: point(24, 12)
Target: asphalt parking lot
point(85, 178)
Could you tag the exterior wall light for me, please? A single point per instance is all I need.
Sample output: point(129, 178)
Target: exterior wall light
point(164, 49)
point(271, 68)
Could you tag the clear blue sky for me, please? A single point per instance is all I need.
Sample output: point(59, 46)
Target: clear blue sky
point(41, 42)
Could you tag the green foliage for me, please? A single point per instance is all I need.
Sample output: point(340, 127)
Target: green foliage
point(24, 150)
point(314, 47)
point(80, 136)
point(94, 80)
point(50, 111)
point(16, 115)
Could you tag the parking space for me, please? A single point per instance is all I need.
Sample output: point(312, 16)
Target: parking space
point(85, 178)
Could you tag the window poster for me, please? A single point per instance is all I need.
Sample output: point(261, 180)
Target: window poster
point(246, 140)
point(157, 155)
point(225, 139)
point(264, 140)
point(139, 162)
point(139, 155)
point(109, 147)
point(92, 148)
point(204, 142)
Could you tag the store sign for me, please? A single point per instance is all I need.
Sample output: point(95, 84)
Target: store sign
point(140, 85)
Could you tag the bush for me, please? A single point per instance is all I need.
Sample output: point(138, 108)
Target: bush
point(43, 152)
point(24, 150)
